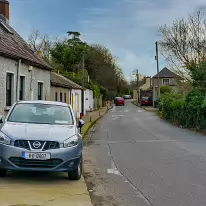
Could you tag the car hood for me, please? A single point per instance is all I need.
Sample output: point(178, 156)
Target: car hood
point(38, 131)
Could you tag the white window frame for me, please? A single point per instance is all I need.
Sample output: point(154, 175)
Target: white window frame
point(165, 79)
point(13, 95)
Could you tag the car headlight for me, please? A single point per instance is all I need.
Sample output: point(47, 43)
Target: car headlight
point(4, 139)
point(72, 141)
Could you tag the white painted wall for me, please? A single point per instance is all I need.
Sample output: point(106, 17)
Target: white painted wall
point(76, 101)
point(89, 100)
point(38, 75)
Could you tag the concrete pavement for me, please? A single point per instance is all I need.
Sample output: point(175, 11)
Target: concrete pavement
point(135, 158)
point(42, 189)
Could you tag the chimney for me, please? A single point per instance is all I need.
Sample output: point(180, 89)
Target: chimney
point(4, 10)
point(40, 54)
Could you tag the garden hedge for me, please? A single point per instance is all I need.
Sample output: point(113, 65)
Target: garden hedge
point(188, 111)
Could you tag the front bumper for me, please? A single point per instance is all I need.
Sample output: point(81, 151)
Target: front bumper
point(62, 159)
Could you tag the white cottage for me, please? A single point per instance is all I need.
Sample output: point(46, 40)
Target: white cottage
point(89, 100)
point(23, 74)
point(65, 90)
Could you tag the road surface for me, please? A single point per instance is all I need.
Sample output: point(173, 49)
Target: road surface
point(133, 158)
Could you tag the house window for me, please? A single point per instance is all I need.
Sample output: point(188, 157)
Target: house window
point(56, 96)
point(22, 88)
point(40, 91)
point(9, 89)
point(65, 97)
point(166, 82)
point(61, 97)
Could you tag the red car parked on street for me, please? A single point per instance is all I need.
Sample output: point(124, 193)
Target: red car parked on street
point(146, 101)
point(119, 101)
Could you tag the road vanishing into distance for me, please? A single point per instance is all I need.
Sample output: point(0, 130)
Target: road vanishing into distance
point(134, 158)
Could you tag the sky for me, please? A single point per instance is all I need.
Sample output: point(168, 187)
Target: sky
point(128, 28)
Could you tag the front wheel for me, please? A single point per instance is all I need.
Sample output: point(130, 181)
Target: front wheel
point(77, 173)
point(3, 172)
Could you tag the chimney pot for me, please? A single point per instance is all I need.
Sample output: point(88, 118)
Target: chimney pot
point(5, 10)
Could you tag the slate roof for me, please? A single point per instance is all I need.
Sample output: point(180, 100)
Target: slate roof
point(166, 73)
point(59, 80)
point(13, 46)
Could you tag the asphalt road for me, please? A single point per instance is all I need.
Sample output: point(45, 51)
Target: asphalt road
point(134, 158)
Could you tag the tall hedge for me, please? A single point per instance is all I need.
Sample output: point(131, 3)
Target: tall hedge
point(188, 111)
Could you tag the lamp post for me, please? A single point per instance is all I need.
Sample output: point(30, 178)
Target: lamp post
point(137, 76)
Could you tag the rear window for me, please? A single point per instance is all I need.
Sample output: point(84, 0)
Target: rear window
point(145, 98)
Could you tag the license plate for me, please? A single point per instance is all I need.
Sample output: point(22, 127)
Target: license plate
point(36, 155)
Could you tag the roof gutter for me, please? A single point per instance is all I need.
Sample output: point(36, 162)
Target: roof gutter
point(15, 57)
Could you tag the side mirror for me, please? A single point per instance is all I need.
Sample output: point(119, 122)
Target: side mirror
point(1, 119)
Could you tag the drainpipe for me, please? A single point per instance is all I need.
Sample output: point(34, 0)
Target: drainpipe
point(18, 79)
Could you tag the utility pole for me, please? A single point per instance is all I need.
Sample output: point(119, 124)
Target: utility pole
point(83, 102)
point(137, 75)
point(83, 70)
point(158, 79)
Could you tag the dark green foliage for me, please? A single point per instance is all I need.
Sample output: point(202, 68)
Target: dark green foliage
point(99, 64)
point(188, 111)
point(165, 89)
point(198, 75)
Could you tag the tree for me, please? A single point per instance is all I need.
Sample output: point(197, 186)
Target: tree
point(103, 68)
point(69, 53)
point(100, 64)
point(183, 44)
point(41, 43)
point(198, 74)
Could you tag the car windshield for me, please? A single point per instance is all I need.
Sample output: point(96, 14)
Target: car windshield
point(145, 98)
point(41, 114)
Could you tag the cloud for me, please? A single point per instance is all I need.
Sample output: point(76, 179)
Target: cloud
point(127, 27)
point(95, 11)
point(129, 30)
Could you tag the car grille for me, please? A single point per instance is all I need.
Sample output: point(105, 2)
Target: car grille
point(21, 162)
point(47, 146)
point(51, 145)
point(22, 144)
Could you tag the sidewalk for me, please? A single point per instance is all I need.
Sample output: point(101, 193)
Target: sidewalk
point(150, 108)
point(147, 108)
point(91, 117)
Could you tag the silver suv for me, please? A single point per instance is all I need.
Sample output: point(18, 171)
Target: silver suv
point(41, 136)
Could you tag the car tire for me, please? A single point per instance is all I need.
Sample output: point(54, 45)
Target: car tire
point(77, 173)
point(3, 172)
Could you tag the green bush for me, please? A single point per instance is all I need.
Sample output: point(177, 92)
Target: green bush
point(188, 111)
point(165, 90)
